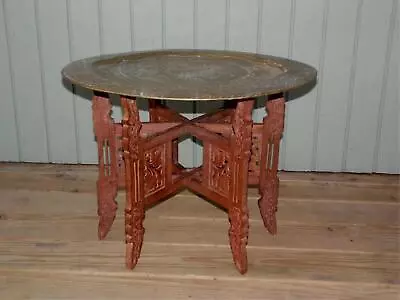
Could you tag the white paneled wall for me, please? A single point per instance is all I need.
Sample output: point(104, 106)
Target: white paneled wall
point(348, 122)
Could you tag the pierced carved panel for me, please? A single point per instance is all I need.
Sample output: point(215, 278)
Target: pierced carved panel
point(255, 157)
point(107, 155)
point(219, 170)
point(120, 155)
point(155, 169)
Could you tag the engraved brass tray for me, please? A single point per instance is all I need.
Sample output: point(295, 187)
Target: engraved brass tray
point(189, 74)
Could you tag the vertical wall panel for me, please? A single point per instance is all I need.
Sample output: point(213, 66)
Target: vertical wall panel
point(179, 33)
point(388, 143)
point(25, 61)
point(368, 85)
point(348, 122)
point(115, 35)
point(337, 72)
point(210, 29)
point(115, 25)
point(9, 150)
point(209, 34)
point(53, 43)
point(147, 32)
point(307, 45)
point(147, 24)
point(273, 15)
point(179, 23)
point(274, 39)
point(275, 27)
point(85, 41)
point(243, 25)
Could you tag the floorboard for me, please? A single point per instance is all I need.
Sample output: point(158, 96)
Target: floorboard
point(338, 238)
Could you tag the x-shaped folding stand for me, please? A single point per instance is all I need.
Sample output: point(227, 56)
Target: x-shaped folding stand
point(143, 158)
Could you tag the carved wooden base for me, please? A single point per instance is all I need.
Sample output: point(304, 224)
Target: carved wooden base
point(134, 172)
point(269, 181)
point(238, 211)
point(107, 182)
point(143, 157)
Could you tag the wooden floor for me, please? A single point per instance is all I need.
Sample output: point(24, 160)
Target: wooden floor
point(338, 239)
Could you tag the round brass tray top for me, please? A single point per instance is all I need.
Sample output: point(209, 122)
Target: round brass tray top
point(189, 74)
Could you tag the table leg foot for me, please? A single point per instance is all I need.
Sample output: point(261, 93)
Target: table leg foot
point(269, 181)
point(238, 236)
point(107, 207)
point(237, 210)
point(107, 183)
point(268, 205)
point(134, 236)
point(134, 175)
point(105, 224)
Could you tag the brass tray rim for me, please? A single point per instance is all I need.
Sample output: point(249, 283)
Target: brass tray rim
point(300, 72)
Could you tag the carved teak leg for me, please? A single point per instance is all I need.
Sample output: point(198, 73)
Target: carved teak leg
point(269, 181)
point(134, 173)
point(238, 211)
point(108, 171)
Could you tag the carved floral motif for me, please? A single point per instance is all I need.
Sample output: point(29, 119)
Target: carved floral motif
point(131, 128)
point(242, 131)
point(154, 170)
point(219, 178)
point(254, 163)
